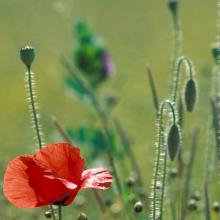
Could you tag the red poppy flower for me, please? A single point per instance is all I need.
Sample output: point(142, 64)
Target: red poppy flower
point(53, 175)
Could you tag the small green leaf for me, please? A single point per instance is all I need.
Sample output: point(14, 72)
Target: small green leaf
point(74, 86)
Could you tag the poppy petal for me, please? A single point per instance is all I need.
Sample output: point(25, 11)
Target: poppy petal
point(27, 184)
point(64, 159)
point(98, 178)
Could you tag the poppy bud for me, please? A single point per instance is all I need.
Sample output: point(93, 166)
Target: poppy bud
point(48, 214)
point(190, 95)
point(108, 201)
point(216, 207)
point(27, 55)
point(173, 141)
point(130, 182)
point(173, 5)
point(138, 207)
point(216, 52)
point(82, 216)
point(173, 172)
point(196, 195)
point(192, 205)
point(115, 209)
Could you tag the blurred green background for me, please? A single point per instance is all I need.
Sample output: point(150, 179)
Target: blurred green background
point(136, 33)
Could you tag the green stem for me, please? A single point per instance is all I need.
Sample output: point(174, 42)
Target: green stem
point(160, 144)
point(33, 105)
point(60, 212)
point(33, 108)
point(176, 74)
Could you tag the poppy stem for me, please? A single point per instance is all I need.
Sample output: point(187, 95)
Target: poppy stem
point(160, 169)
point(60, 212)
point(33, 106)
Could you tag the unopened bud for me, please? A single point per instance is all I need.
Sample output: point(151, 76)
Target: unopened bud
point(82, 216)
point(173, 141)
point(27, 55)
point(190, 95)
point(192, 205)
point(216, 206)
point(138, 207)
point(48, 214)
point(216, 52)
point(173, 5)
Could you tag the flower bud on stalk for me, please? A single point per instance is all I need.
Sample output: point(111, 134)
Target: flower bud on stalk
point(82, 216)
point(216, 52)
point(173, 6)
point(27, 55)
point(138, 207)
point(173, 141)
point(190, 95)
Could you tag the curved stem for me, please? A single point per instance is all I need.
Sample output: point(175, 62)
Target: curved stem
point(158, 159)
point(34, 108)
point(176, 75)
point(176, 37)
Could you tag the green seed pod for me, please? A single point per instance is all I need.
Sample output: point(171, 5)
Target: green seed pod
point(173, 173)
point(192, 205)
point(173, 5)
point(27, 55)
point(173, 141)
point(216, 207)
point(48, 214)
point(82, 216)
point(138, 207)
point(190, 95)
point(216, 52)
point(196, 195)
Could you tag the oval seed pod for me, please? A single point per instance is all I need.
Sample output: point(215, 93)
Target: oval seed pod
point(190, 95)
point(27, 55)
point(173, 141)
point(216, 52)
point(173, 5)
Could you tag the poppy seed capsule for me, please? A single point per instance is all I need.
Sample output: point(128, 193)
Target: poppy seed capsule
point(173, 141)
point(82, 216)
point(138, 207)
point(27, 55)
point(216, 52)
point(190, 95)
point(192, 205)
point(216, 207)
point(48, 214)
point(173, 5)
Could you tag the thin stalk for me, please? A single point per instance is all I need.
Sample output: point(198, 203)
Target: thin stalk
point(153, 88)
point(188, 174)
point(207, 203)
point(32, 100)
point(160, 170)
point(60, 212)
point(34, 113)
point(66, 137)
point(115, 173)
point(218, 22)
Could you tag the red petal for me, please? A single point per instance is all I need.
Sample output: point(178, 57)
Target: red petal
point(98, 178)
point(64, 159)
point(28, 185)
